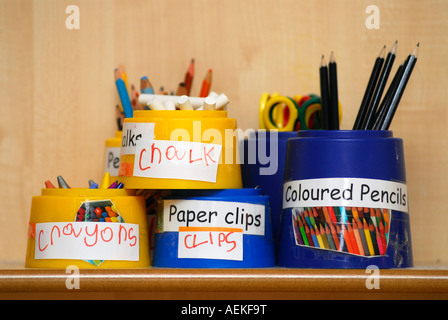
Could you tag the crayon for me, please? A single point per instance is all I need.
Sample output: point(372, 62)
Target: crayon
point(49, 185)
point(62, 184)
point(105, 183)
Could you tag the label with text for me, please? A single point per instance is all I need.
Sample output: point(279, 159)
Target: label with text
point(87, 240)
point(177, 160)
point(112, 160)
point(250, 218)
point(133, 134)
point(351, 192)
point(210, 243)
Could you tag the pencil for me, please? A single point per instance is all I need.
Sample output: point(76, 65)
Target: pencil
point(332, 215)
point(374, 238)
point(146, 86)
point(320, 239)
point(206, 84)
point(383, 236)
point(181, 89)
point(302, 232)
point(368, 238)
point(296, 230)
point(334, 95)
point(189, 75)
point(308, 235)
point(329, 238)
point(358, 238)
point(381, 113)
point(123, 93)
point(371, 110)
point(335, 238)
point(407, 71)
point(324, 93)
point(351, 236)
point(369, 89)
point(315, 240)
point(362, 236)
point(342, 244)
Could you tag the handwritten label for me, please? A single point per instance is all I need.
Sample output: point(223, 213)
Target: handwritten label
point(87, 240)
point(350, 192)
point(210, 243)
point(133, 134)
point(112, 160)
point(177, 160)
point(250, 218)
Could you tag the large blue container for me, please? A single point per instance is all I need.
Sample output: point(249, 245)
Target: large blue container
point(257, 249)
point(263, 166)
point(342, 178)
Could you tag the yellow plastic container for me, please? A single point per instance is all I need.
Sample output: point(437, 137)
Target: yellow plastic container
point(112, 155)
point(59, 234)
point(166, 131)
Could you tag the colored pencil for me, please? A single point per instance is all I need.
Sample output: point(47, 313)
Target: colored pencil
point(308, 235)
point(371, 110)
point(352, 238)
point(369, 89)
point(181, 89)
point(335, 237)
point(124, 96)
point(320, 239)
point(382, 236)
point(332, 215)
point(334, 95)
point(324, 93)
point(302, 232)
point(329, 238)
point(347, 239)
point(296, 230)
point(368, 238)
point(189, 75)
point(315, 240)
point(407, 71)
point(206, 84)
point(146, 86)
point(362, 236)
point(358, 238)
point(342, 244)
point(374, 238)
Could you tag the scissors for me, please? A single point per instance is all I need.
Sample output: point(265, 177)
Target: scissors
point(290, 114)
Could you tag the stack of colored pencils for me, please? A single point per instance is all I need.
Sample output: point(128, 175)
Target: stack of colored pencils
point(359, 231)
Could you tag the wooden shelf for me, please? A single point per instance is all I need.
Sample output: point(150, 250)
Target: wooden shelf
point(275, 283)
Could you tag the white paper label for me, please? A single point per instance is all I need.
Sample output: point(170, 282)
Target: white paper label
point(349, 192)
point(177, 160)
point(204, 213)
point(135, 133)
point(210, 243)
point(87, 241)
point(112, 160)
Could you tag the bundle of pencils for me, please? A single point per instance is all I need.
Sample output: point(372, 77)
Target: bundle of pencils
point(329, 93)
point(373, 115)
point(359, 231)
point(105, 183)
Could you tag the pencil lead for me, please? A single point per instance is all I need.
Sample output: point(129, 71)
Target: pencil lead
point(394, 48)
point(382, 52)
point(322, 62)
point(415, 51)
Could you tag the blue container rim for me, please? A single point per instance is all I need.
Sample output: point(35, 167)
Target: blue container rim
point(345, 134)
point(243, 192)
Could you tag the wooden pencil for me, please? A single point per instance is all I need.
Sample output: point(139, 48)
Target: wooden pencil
point(352, 238)
point(358, 238)
point(334, 95)
point(376, 98)
point(376, 70)
point(324, 93)
point(206, 84)
point(407, 71)
point(189, 75)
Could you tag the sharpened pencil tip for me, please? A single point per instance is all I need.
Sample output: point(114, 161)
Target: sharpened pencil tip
point(382, 52)
point(393, 50)
point(322, 62)
point(415, 51)
point(332, 58)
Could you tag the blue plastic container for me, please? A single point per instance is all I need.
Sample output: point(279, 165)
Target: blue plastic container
point(207, 219)
point(263, 166)
point(341, 178)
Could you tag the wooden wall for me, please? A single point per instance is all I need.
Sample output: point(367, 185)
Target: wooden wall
point(58, 97)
